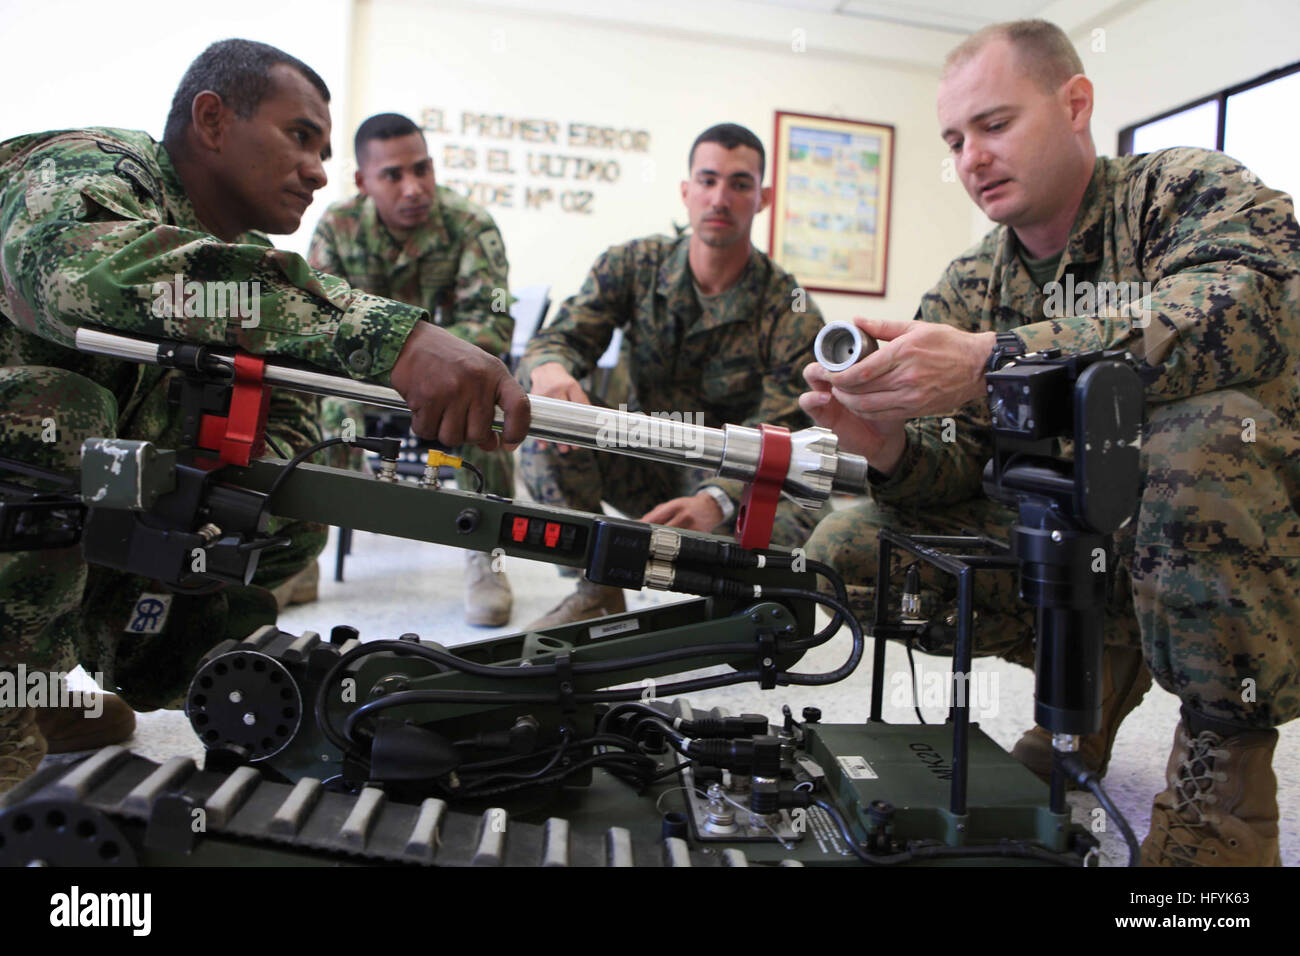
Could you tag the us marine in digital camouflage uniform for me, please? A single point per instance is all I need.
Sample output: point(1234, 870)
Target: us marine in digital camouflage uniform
point(92, 221)
point(409, 239)
point(1208, 572)
point(711, 326)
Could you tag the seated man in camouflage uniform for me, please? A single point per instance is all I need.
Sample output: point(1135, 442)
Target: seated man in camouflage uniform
point(95, 223)
point(712, 327)
point(407, 238)
point(1206, 586)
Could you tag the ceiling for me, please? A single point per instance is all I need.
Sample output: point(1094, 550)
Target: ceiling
point(949, 16)
point(915, 34)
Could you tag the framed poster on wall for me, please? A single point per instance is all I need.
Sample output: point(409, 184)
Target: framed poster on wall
point(830, 208)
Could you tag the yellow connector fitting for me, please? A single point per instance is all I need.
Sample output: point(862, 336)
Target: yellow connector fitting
point(437, 458)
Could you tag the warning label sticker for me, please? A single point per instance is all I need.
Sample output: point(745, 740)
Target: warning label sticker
point(856, 768)
point(619, 627)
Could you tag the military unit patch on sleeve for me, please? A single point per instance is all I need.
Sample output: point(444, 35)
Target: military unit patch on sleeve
point(133, 170)
point(149, 615)
point(495, 248)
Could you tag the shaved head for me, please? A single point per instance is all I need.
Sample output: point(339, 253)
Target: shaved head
point(1042, 50)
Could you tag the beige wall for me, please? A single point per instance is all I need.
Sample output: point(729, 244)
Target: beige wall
point(1148, 57)
point(1163, 53)
point(119, 64)
point(472, 57)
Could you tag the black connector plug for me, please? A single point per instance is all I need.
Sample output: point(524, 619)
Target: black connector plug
point(619, 552)
point(735, 755)
point(389, 449)
point(746, 725)
point(1076, 771)
point(696, 582)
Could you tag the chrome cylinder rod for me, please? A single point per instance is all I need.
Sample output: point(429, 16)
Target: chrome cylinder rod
point(816, 467)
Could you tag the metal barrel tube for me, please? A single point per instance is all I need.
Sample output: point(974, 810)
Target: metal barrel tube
point(657, 438)
point(840, 345)
point(731, 451)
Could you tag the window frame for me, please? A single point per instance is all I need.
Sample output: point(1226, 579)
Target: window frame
point(1125, 145)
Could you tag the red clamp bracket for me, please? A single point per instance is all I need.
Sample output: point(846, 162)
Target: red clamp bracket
point(758, 509)
point(240, 436)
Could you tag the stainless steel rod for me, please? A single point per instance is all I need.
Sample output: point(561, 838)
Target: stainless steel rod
point(661, 437)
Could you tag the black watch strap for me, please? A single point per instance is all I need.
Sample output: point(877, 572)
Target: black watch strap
point(1006, 347)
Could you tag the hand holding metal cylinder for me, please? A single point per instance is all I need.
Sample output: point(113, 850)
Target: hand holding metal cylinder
point(816, 466)
point(840, 345)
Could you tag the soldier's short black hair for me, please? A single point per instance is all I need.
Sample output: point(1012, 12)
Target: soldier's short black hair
point(239, 71)
point(729, 136)
point(382, 126)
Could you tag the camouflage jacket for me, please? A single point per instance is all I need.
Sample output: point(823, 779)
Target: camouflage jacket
point(454, 266)
point(1219, 254)
point(738, 361)
point(96, 229)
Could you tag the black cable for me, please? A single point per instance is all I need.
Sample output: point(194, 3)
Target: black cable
point(478, 475)
point(679, 687)
point(294, 462)
point(468, 791)
point(911, 663)
point(608, 717)
point(516, 758)
point(593, 761)
point(527, 673)
point(841, 595)
point(859, 642)
point(277, 448)
point(631, 763)
point(385, 447)
point(675, 738)
point(1081, 774)
point(918, 853)
point(679, 768)
point(408, 697)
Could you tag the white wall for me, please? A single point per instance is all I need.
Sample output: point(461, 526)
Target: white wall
point(70, 64)
point(477, 57)
point(667, 67)
point(1165, 53)
point(1148, 57)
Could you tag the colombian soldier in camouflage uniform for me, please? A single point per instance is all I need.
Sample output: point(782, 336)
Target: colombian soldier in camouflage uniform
point(409, 239)
point(1208, 572)
point(712, 328)
point(96, 226)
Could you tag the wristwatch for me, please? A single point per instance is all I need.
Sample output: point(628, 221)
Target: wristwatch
point(723, 499)
point(1006, 346)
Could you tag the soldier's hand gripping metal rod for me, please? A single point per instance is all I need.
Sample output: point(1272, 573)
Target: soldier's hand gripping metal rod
point(816, 467)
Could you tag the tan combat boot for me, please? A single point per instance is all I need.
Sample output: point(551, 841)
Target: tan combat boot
point(488, 598)
point(302, 588)
point(587, 602)
point(1221, 805)
point(1124, 681)
point(67, 729)
point(21, 746)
